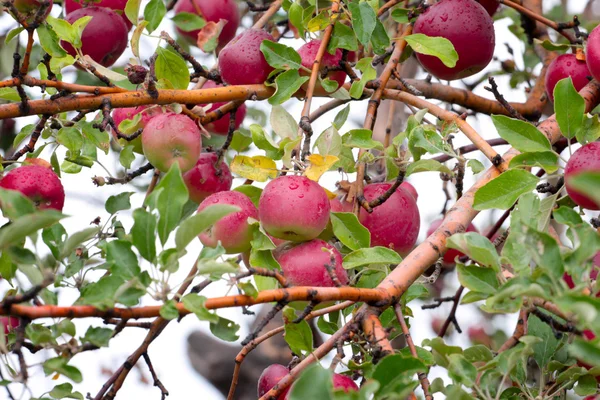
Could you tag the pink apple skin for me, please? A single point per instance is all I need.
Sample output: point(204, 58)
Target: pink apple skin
point(104, 37)
point(203, 180)
point(303, 264)
point(233, 231)
point(221, 126)
point(491, 6)
point(116, 5)
point(410, 189)
point(585, 159)
point(451, 254)
point(241, 62)
point(470, 29)
point(214, 11)
point(345, 383)
point(340, 205)
point(564, 66)
point(170, 138)
point(121, 114)
point(9, 324)
point(294, 208)
point(395, 223)
point(592, 53)
point(39, 184)
point(270, 377)
point(308, 54)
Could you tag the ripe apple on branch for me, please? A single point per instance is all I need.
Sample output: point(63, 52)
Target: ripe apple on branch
point(272, 183)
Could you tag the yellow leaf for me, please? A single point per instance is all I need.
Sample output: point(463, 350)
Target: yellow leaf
point(330, 194)
point(319, 165)
point(257, 168)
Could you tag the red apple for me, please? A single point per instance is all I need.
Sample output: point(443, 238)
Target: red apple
point(170, 138)
point(592, 53)
point(241, 62)
point(38, 183)
point(38, 161)
point(564, 66)
point(9, 324)
point(585, 159)
point(410, 189)
point(214, 11)
point(30, 7)
point(303, 264)
point(491, 6)
point(308, 53)
point(478, 335)
point(294, 208)
point(339, 204)
point(233, 231)
point(451, 254)
point(203, 179)
point(344, 382)
point(471, 31)
point(396, 222)
point(221, 126)
point(147, 113)
point(117, 5)
point(270, 377)
point(104, 38)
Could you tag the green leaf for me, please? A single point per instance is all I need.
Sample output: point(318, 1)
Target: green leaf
point(214, 267)
point(478, 279)
point(154, 13)
point(225, 329)
point(548, 160)
point(341, 117)
point(502, 191)
point(252, 192)
point(168, 310)
point(14, 204)
point(362, 139)
point(393, 369)
point(477, 247)
point(60, 365)
point(283, 123)
point(118, 202)
point(71, 138)
point(426, 165)
point(280, 56)
point(543, 351)
point(287, 84)
point(589, 131)
point(10, 94)
point(13, 33)
point(314, 383)
point(195, 225)
point(566, 216)
point(569, 108)
point(171, 66)
point(521, 135)
point(26, 225)
point(329, 142)
point(195, 303)
point(143, 233)
point(298, 336)
point(587, 183)
point(545, 251)
point(475, 165)
point(350, 231)
point(126, 156)
point(342, 37)
point(371, 255)
point(188, 22)
point(439, 47)
point(262, 140)
point(368, 73)
point(63, 29)
point(39, 334)
point(424, 139)
point(76, 239)
point(462, 371)
point(97, 336)
point(588, 352)
point(400, 15)
point(125, 262)
point(364, 21)
point(65, 390)
point(296, 13)
point(478, 353)
point(132, 10)
point(170, 201)
point(380, 39)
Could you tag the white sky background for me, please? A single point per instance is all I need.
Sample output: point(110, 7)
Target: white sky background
point(84, 202)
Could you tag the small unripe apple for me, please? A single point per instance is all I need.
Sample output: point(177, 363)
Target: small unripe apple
point(450, 254)
point(308, 54)
point(9, 324)
point(592, 53)
point(38, 183)
point(117, 5)
point(104, 38)
point(147, 113)
point(169, 138)
point(564, 66)
point(214, 11)
point(221, 126)
point(233, 231)
point(29, 8)
point(204, 179)
point(241, 62)
point(585, 159)
point(491, 6)
point(468, 26)
point(270, 377)
point(396, 222)
point(410, 189)
point(303, 264)
point(294, 208)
